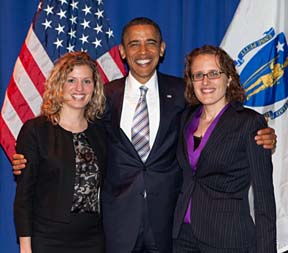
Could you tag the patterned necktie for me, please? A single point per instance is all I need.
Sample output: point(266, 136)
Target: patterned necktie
point(140, 126)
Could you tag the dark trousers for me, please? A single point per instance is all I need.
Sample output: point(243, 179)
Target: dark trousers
point(84, 233)
point(188, 243)
point(145, 241)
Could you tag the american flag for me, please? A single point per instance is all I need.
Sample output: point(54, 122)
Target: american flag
point(59, 26)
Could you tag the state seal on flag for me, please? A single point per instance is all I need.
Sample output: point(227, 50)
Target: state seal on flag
point(265, 76)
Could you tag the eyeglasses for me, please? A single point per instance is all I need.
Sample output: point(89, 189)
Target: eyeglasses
point(212, 74)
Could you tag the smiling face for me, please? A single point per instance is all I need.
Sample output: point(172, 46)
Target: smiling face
point(142, 49)
point(209, 92)
point(78, 88)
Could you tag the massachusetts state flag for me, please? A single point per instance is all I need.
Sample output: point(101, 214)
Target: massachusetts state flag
point(257, 41)
point(59, 26)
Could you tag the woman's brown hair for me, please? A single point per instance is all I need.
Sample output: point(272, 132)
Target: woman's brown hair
point(234, 92)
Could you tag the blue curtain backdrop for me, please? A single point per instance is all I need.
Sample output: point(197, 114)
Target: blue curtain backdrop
point(185, 24)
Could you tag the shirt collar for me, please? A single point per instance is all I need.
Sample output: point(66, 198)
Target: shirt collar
point(132, 85)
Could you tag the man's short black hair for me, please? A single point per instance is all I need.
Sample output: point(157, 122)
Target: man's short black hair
point(141, 21)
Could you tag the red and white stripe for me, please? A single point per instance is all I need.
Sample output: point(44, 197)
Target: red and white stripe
point(24, 93)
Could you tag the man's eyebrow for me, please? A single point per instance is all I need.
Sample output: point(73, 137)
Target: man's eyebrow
point(138, 41)
point(152, 40)
point(132, 42)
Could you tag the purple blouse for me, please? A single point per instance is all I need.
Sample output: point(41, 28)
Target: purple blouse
point(194, 154)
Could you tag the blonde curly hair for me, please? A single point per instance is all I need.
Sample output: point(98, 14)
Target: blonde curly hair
point(53, 94)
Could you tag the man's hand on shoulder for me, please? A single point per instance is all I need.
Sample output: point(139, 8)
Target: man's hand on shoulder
point(19, 163)
point(267, 138)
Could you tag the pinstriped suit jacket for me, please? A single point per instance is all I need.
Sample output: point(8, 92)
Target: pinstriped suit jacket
point(229, 163)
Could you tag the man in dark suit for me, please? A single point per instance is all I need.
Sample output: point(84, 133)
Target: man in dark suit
point(139, 195)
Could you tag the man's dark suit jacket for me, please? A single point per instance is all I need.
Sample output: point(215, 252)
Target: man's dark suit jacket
point(229, 163)
point(127, 176)
point(46, 187)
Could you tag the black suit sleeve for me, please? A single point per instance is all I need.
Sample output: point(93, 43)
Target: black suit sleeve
point(262, 183)
point(26, 145)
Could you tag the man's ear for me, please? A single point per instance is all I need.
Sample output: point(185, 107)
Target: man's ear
point(162, 48)
point(122, 51)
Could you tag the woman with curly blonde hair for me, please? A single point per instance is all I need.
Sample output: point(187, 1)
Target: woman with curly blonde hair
point(57, 206)
point(53, 95)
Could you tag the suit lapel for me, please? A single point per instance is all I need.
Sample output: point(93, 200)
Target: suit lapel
point(220, 131)
point(167, 105)
point(117, 103)
point(116, 97)
point(184, 160)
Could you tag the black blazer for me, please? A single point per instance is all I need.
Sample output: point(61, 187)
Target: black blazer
point(230, 162)
point(127, 176)
point(46, 187)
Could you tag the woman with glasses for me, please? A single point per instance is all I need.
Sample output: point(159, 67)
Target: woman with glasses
point(220, 161)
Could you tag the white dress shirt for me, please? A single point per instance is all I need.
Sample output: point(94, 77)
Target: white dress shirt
point(130, 100)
